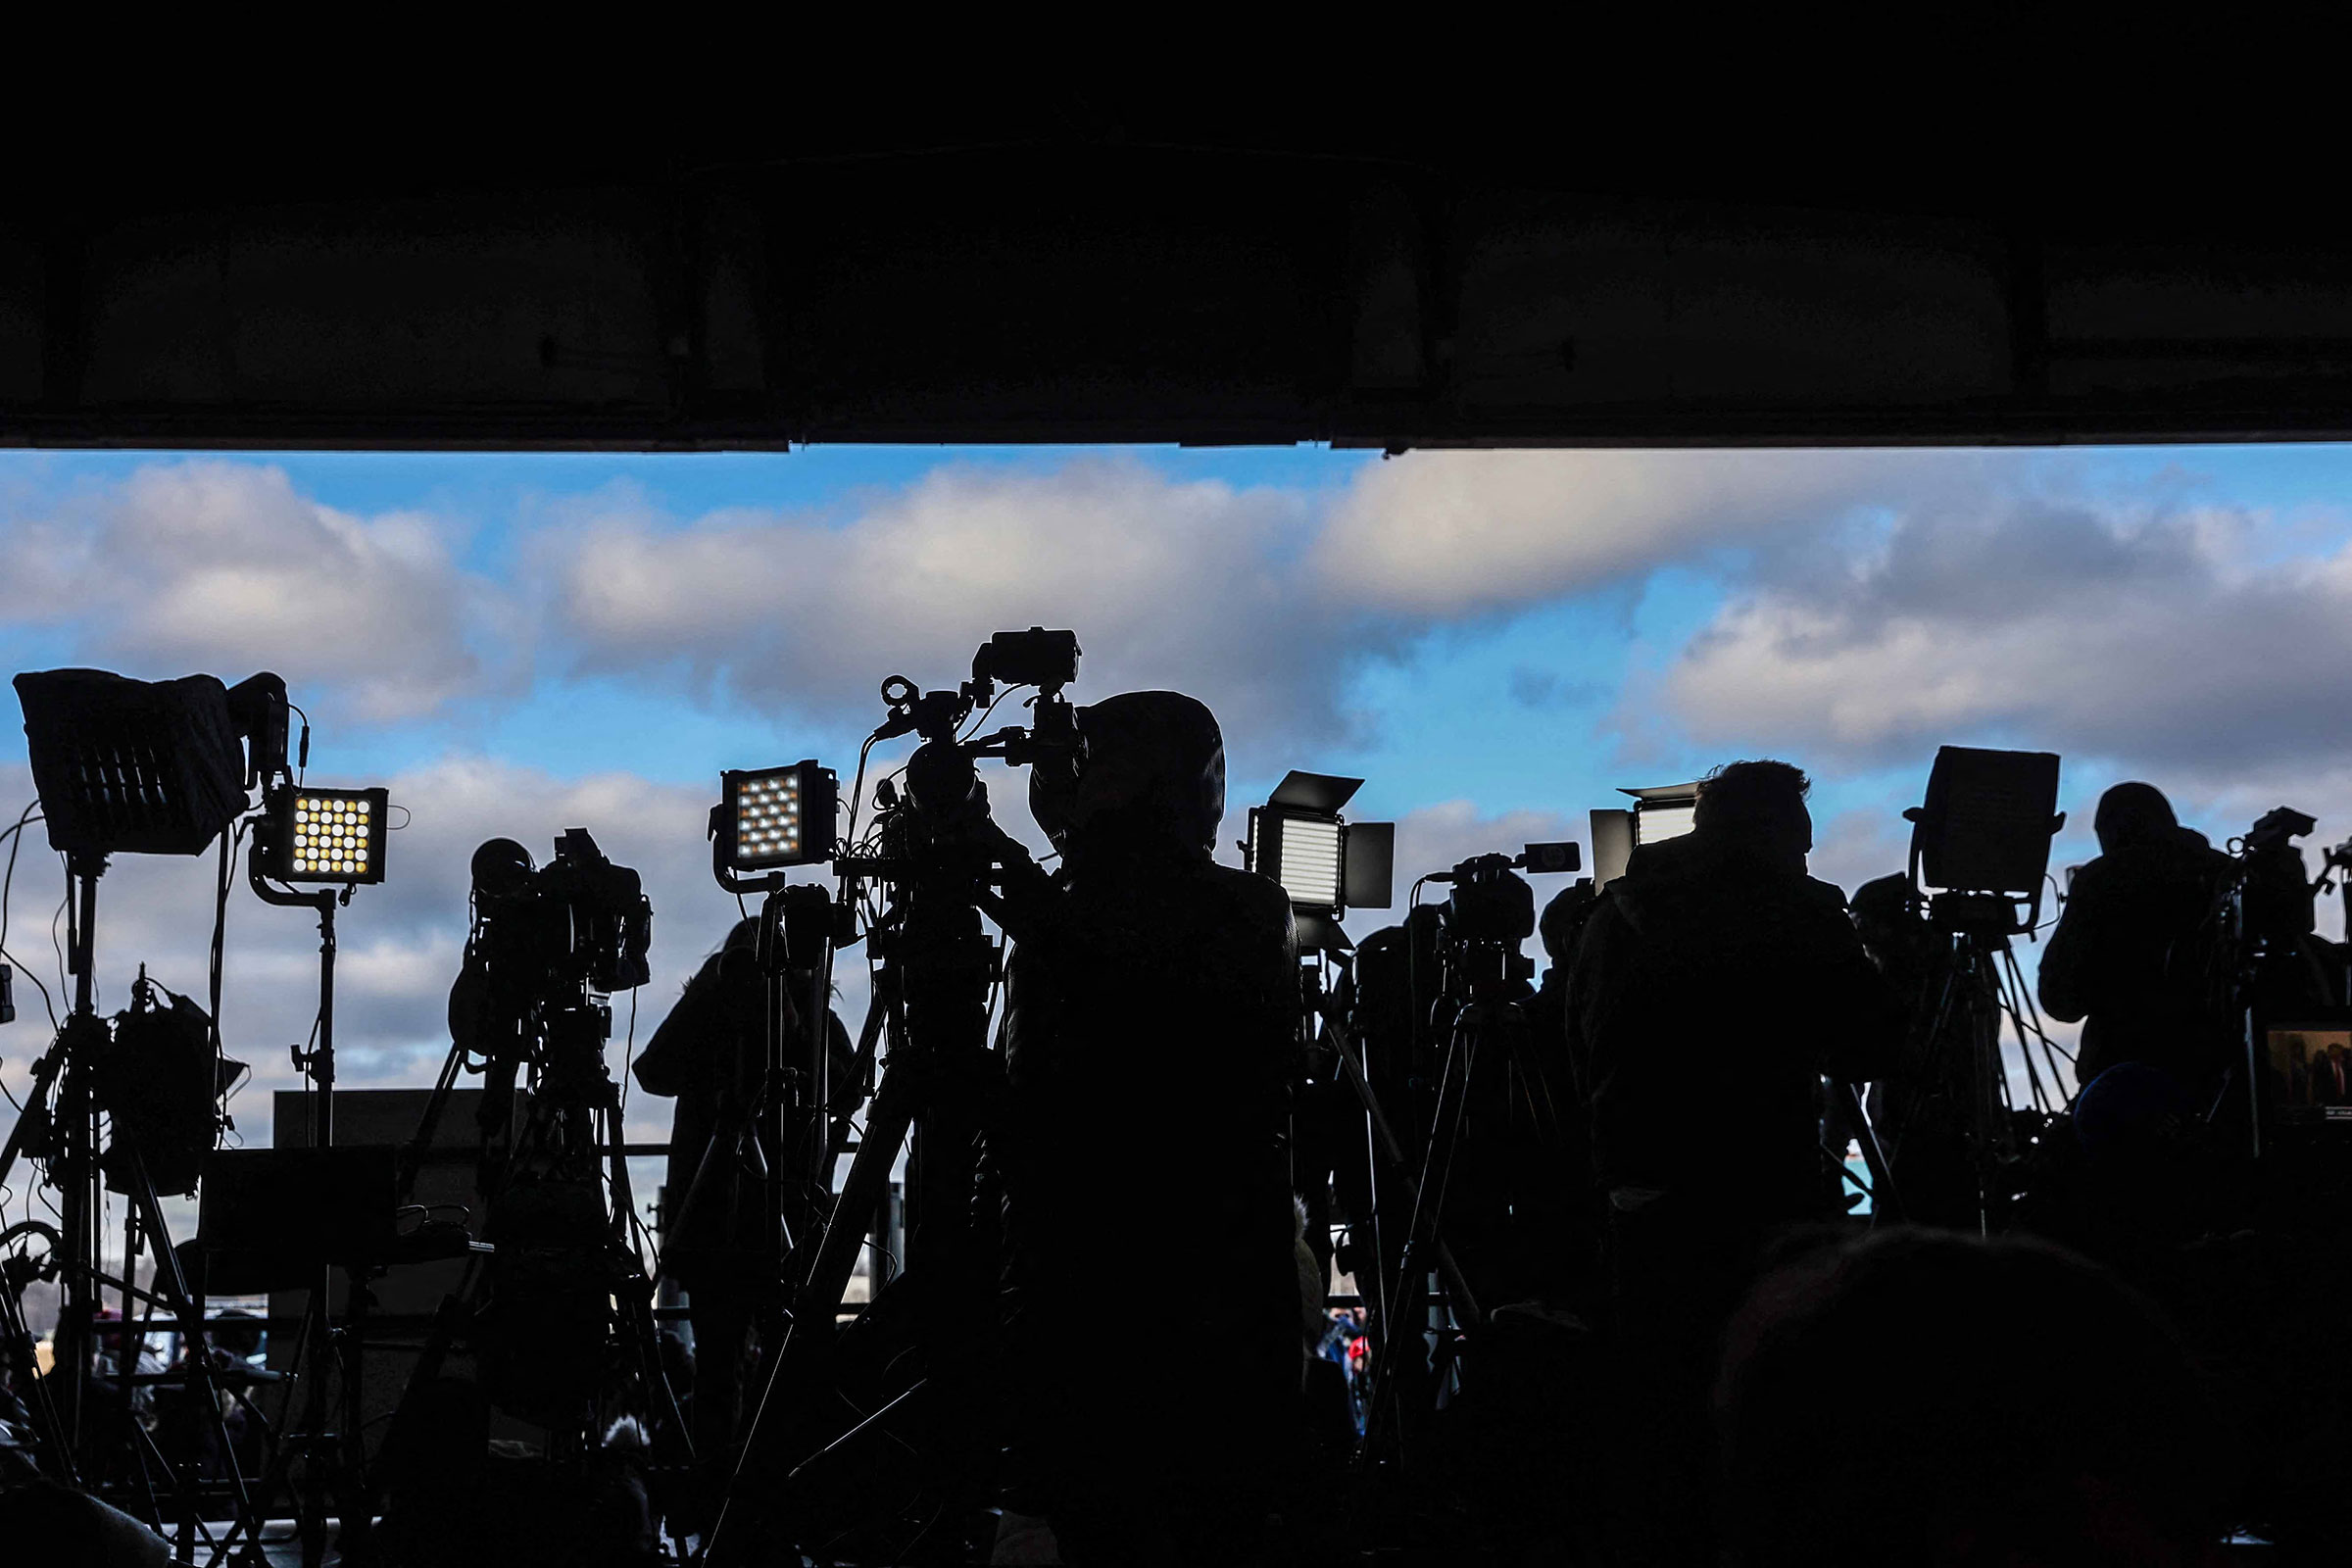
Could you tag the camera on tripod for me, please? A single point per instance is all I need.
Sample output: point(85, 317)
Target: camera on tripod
point(548, 943)
point(581, 917)
point(940, 778)
point(1492, 910)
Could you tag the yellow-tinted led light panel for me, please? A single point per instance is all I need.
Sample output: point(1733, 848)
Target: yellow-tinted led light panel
point(778, 816)
point(327, 836)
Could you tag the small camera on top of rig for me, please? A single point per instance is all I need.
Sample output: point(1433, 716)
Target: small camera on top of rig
point(1046, 659)
point(578, 918)
point(1491, 903)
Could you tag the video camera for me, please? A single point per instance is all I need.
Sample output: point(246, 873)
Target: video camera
point(940, 778)
point(2276, 828)
point(579, 920)
point(1493, 909)
point(2276, 896)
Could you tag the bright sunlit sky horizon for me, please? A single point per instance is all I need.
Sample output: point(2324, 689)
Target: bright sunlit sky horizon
point(1495, 640)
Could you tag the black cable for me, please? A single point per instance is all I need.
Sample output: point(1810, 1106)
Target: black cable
point(628, 1053)
point(229, 855)
point(990, 708)
point(858, 786)
point(7, 882)
point(302, 754)
point(63, 983)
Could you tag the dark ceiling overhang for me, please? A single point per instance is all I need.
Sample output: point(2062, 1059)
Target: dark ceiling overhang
point(1157, 273)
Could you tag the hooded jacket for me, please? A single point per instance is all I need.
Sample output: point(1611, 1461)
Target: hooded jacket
point(2131, 956)
point(1709, 993)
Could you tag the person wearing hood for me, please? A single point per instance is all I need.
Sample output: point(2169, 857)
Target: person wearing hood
point(1714, 986)
point(2127, 960)
point(1150, 1038)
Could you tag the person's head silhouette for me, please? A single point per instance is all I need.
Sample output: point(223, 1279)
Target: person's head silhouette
point(1152, 782)
point(1923, 1397)
point(2130, 815)
point(1757, 808)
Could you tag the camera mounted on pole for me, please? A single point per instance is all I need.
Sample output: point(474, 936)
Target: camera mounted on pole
point(937, 855)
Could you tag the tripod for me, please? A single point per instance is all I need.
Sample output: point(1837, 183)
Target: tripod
point(931, 992)
point(564, 1172)
point(1960, 1062)
point(1484, 981)
point(1385, 1169)
point(67, 1139)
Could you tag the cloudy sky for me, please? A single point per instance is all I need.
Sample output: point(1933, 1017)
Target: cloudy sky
point(1495, 640)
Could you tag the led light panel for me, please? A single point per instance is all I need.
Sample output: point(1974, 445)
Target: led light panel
point(1304, 853)
point(1664, 819)
point(777, 816)
point(327, 836)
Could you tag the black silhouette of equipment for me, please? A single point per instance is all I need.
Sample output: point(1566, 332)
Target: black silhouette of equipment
point(935, 967)
point(1980, 841)
point(126, 766)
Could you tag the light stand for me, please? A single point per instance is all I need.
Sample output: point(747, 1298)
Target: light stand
point(1983, 836)
point(331, 1460)
point(120, 767)
point(765, 822)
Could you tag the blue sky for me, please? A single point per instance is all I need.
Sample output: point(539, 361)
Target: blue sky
point(1494, 640)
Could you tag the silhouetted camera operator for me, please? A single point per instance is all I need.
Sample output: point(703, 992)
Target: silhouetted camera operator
point(2131, 955)
point(1714, 986)
point(1149, 1033)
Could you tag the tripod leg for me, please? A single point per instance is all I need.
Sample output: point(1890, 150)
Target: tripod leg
point(21, 1361)
point(869, 1036)
point(1393, 1156)
point(411, 1153)
point(174, 1287)
point(1884, 1199)
point(1408, 1322)
point(637, 1309)
point(810, 1334)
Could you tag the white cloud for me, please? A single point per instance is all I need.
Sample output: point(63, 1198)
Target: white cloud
point(1450, 534)
point(224, 566)
point(2166, 638)
point(1190, 585)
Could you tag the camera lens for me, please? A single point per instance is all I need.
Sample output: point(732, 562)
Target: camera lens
point(502, 868)
point(940, 777)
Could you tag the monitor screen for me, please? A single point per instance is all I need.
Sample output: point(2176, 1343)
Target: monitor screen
point(2307, 1074)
